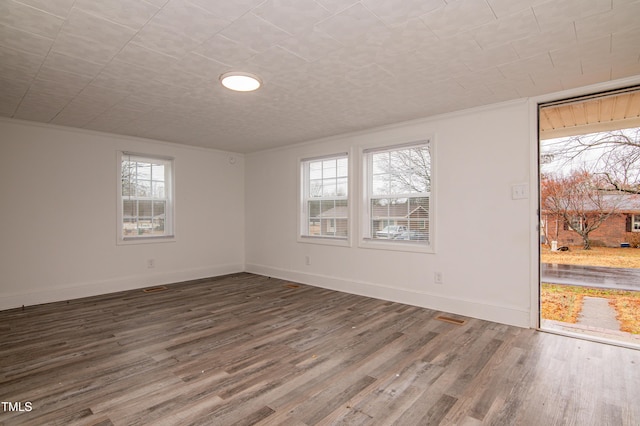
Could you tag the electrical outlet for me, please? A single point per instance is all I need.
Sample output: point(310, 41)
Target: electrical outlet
point(151, 263)
point(437, 277)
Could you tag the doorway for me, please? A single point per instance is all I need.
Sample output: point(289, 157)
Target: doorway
point(589, 177)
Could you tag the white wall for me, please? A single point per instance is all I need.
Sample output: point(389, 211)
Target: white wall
point(58, 215)
point(483, 236)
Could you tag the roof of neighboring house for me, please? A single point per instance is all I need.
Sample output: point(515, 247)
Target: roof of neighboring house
point(392, 211)
point(625, 203)
point(630, 203)
point(336, 212)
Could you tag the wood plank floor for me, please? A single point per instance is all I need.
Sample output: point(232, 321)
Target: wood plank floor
point(246, 349)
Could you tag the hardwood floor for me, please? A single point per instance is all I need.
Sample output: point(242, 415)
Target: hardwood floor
point(246, 349)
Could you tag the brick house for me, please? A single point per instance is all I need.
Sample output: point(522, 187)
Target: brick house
point(412, 214)
point(619, 228)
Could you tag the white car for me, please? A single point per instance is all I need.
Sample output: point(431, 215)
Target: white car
point(391, 231)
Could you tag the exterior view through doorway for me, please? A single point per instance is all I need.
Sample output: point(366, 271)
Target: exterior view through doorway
point(589, 177)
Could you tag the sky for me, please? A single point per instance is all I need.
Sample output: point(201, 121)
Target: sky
point(589, 159)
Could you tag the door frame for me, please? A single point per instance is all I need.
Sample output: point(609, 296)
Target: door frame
point(534, 177)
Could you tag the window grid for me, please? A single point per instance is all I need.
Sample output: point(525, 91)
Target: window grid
point(325, 211)
point(399, 185)
point(146, 201)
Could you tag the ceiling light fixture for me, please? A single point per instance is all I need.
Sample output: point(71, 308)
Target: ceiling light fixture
point(240, 81)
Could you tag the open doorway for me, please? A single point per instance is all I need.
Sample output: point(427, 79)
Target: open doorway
point(590, 216)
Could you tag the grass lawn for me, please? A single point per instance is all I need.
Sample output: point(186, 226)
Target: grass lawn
point(597, 256)
point(564, 303)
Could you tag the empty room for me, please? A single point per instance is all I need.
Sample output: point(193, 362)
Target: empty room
point(300, 212)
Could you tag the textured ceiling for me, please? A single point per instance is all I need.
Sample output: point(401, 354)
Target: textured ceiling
point(150, 68)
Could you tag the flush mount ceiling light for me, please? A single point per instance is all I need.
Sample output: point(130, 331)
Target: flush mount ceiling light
point(240, 81)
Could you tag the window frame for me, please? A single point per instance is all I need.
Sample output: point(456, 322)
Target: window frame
point(635, 220)
point(577, 222)
point(169, 199)
point(303, 199)
point(365, 235)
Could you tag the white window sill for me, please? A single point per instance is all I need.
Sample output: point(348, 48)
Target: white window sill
point(146, 240)
point(381, 244)
point(328, 241)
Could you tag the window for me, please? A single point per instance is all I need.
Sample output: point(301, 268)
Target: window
point(398, 194)
point(145, 195)
point(635, 224)
point(577, 224)
point(324, 197)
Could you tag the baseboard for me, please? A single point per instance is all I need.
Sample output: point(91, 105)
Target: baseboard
point(95, 288)
point(490, 312)
point(496, 313)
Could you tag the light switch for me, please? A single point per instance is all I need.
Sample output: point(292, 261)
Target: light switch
point(519, 191)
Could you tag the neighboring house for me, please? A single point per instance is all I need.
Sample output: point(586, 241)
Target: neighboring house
point(409, 214)
point(396, 214)
point(621, 227)
point(334, 221)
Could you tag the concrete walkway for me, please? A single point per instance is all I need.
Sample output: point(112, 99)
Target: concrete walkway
point(597, 320)
point(596, 312)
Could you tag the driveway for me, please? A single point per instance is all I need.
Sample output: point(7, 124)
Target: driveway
point(591, 276)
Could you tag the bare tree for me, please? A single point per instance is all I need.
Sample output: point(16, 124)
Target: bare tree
point(408, 170)
point(579, 201)
point(614, 155)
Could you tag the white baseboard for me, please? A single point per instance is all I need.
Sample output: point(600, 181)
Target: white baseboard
point(95, 288)
point(496, 313)
point(490, 312)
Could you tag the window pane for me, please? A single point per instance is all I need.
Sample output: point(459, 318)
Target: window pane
point(328, 208)
point(329, 187)
point(341, 190)
point(419, 208)
point(314, 217)
point(418, 230)
point(157, 172)
point(380, 163)
point(379, 208)
point(158, 189)
point(406, 171)
point(127, 188)
point(419, 183)
point(129, 226)
point(394, 176)
point(143, 171)
point(329, 169)
point(143, 188)
point(343, 167)
point(341, 228)
point(341, 209)
point(380, 185)
point(145, 208)
point(314, 227)
point(326, 179)
point(315, 188)
point(314, 209)
point(315, 170)
point(159, 208)
point(398, 159)
point(129, 208)
point(330, 211)
point(159, 216)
